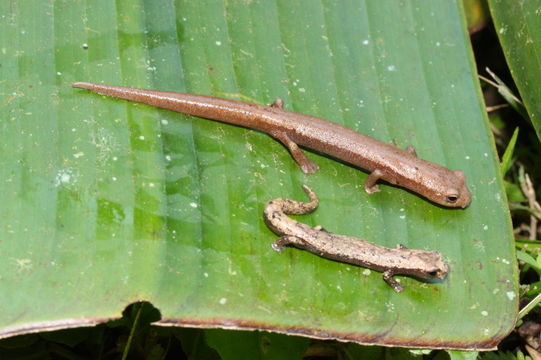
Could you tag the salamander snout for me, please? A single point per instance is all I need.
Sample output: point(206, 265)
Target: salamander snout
point(440, 270)
point(433, 265)
point(439, 273)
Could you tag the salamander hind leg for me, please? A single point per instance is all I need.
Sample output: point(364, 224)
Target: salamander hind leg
point(280, 244)
point(388, 277)
point(307, 165)
point(370, 185)
point(278, 103)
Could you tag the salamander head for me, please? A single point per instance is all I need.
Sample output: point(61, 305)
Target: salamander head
point(439, 271)
point(452, 190)
point(433, 266)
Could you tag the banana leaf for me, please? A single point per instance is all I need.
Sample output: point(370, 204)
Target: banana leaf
point(107, 202)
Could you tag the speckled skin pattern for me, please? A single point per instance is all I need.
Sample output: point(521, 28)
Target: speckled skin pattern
point(421, 264)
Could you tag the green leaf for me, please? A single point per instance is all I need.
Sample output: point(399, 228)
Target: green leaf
point(508, 154)
point(477, 14)
point(506, 93)
point(238, 345)
point(538, 261)
point(531, 245)
point(514, 192)
point(107, 203)
point(533, 289)
point(463, 355)
point(518, 26)
point(527, 258)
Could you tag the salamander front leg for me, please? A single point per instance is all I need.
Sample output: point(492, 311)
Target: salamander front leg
point(307, 165)
point(370, 185)
point(320, 228)
point(388, 277)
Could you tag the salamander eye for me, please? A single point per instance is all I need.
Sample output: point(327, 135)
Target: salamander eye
point(452, 199)
point(433, 273)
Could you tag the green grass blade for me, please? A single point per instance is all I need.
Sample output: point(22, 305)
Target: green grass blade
point(506, 93)
point(507, 157)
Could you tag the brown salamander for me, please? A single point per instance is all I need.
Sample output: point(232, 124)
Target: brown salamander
point(421, 264)
point(384, 161)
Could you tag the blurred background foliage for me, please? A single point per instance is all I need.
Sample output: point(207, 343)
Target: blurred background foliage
point(511, 105)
